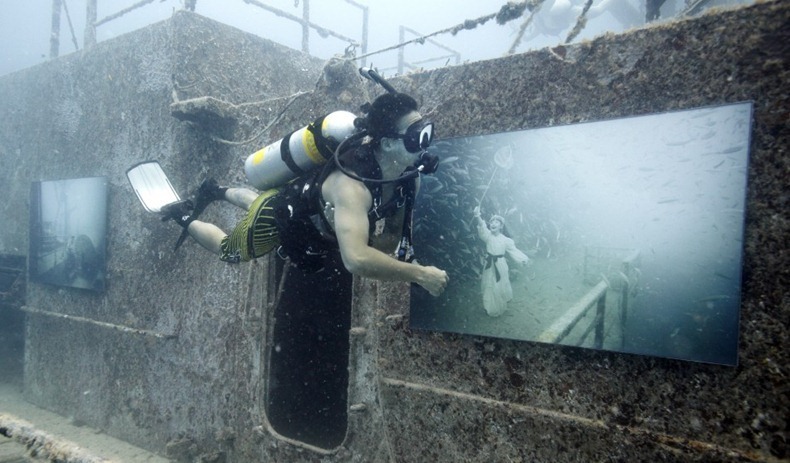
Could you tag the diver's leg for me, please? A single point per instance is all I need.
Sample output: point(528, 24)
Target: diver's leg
point(207, 235)
point(240, 197)
point(210, 191)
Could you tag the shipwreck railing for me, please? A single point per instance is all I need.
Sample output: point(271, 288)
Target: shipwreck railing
point(508, 12)
point(92, 23)
point(402, 64)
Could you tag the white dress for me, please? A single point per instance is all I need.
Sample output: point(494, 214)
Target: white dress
point(495, 281)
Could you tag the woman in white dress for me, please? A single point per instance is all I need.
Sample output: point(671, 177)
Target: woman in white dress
point(495, 281)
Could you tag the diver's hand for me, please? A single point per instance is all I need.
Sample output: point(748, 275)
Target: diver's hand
point(476, 212)
point(433, 280)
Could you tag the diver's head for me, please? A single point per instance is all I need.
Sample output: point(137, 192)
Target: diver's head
point(399, 132)
point(385, 113)
point(395, 116)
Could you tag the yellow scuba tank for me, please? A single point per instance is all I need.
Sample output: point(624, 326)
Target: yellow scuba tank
point(299, 151)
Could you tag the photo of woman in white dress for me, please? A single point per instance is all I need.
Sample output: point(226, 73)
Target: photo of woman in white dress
point(495, 279)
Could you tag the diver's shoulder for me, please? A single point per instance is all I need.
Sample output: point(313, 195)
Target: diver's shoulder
point(337, 184)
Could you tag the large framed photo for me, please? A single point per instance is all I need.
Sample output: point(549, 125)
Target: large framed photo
point(68, 232)
point(624, 235)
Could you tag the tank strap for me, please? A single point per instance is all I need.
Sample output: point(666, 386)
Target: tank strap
point(316, 199)
point(287, 157)
point(325, 146)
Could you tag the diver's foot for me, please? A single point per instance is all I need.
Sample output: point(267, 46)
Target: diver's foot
point(180, 211)
point(209, 191)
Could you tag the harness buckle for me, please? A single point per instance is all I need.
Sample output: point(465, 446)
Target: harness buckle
point(375, 208)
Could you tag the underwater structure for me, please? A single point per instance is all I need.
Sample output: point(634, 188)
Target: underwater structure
point(198, 360)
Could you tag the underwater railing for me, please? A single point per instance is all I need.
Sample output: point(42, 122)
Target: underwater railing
point(92, 22)
point(91, 13)
point(8, 277)
point(322, 31)
point(629, 277)
point(563, 326)
point(12, 274)
point(610, 269)
point(402, 64)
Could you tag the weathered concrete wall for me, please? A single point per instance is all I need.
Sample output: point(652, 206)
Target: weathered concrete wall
point(427, 397)
point(97, 113)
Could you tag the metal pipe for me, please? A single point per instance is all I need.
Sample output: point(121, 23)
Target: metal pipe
point(694, 7)
point(121, 328)
point(54, 38)
point(305, 27)
point(322, 31)
point(122, 12)
point(71, 26)
point(365, 22)
point(90, 24)
point(600, 316)
point(422, 39)
point(435, 43)
point(401, 43)
point(653, 9)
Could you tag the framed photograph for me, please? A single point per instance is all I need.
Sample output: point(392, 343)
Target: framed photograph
point(68, 232)
point(624, 235)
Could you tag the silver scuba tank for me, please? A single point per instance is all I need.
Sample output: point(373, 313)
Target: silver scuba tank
point(299, 152)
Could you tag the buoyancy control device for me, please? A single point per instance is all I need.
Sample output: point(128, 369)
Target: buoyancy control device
point(300, 151)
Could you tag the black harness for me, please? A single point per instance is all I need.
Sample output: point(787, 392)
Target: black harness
point(306, 236)
point(403, 198)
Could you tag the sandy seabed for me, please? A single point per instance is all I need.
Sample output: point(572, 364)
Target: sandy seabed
point(39, 435)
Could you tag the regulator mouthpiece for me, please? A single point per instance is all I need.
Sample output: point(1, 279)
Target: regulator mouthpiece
point(427, 163)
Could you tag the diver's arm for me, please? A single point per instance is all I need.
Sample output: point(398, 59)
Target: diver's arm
point(352, 201)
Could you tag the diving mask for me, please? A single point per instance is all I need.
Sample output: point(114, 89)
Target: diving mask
point(418, 136)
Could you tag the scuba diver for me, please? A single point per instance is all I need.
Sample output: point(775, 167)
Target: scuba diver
point(360, 204)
